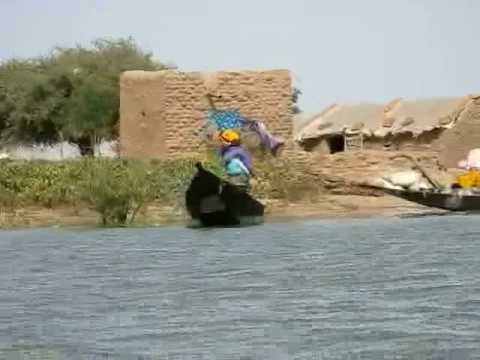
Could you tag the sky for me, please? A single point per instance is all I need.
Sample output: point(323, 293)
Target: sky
point(342, 51)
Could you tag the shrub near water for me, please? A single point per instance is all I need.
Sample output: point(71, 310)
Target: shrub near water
point(284, 180)
point(119, 189)
point(116, 189)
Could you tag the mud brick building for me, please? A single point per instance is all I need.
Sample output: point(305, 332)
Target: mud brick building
point(161, 112)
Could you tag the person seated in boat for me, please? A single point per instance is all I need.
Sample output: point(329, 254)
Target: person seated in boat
point(470, 179)
point(236, 160)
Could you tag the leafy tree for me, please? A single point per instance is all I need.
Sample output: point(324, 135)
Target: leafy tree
point(71, 94)
point(91, 113)
point(30, 101)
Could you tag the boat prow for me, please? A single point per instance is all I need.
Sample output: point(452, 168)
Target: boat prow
point(451, 199)
point(211, 201)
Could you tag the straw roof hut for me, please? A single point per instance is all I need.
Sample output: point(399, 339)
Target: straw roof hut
point(420, 116)
point(454, 144)
point(408, 124)
point(399, 116)
point(337, 118)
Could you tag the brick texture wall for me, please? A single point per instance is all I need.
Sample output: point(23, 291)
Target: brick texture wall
point(160, 112)
point(454, 144)
point(342, 172)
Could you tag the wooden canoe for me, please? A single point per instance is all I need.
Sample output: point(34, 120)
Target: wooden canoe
point(453, 200)
point(211, 201)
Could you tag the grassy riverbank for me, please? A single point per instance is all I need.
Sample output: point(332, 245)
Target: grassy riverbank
point(122, 192)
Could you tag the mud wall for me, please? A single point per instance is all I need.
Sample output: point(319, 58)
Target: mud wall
point(342, 172)
point(453, 145)
point(161, 112)
point(142, 114)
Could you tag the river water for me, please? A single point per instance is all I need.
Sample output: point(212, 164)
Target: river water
point(345, 289)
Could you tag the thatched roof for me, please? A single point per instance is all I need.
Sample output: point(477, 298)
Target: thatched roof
point(337, 118)
point(418, 116)
point(398, 116)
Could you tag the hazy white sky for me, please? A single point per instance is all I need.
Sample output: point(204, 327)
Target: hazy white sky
point(338, 51)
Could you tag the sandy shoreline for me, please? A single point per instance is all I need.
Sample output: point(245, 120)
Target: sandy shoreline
point(325, 207)
point(351, 206)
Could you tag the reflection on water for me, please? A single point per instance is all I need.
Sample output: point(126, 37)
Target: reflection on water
point(349, 289)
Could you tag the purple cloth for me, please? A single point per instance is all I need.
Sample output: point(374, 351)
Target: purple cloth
point(267, 139)
point(222, 120)
point(235, 151)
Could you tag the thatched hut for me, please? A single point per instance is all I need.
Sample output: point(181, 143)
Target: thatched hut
point(418, 124)
point(454, 143)
point(328, 131)
point(450, 126)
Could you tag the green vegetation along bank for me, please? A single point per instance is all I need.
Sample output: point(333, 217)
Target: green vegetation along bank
point(115, 192)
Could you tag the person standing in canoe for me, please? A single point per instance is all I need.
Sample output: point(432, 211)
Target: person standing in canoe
point(236, 160)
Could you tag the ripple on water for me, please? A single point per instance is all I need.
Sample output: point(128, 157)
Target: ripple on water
point(375, 288)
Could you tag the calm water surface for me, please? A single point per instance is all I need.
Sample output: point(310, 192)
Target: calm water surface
point(348, 289)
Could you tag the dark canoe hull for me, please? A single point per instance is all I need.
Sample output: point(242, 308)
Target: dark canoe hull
point(454, 201)
point(213, 202)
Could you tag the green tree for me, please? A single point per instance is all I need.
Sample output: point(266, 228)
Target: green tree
point(92, 112)
point(30, 101)
point(71, 94)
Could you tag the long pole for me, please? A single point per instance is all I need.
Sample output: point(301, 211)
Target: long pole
point(434, 183)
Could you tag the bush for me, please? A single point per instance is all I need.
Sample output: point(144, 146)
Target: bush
point(119, 189)
point(116, 190)
point(281, 179)
point(40, 183)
